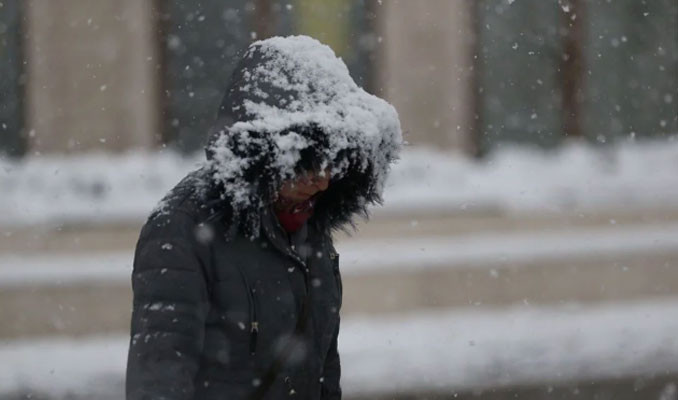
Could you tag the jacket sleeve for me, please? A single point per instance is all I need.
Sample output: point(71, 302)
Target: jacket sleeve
point(331, 389)
point(169, 311)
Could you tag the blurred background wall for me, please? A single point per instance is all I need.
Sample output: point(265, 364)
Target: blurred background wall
point(90, 75)
point(469, 75)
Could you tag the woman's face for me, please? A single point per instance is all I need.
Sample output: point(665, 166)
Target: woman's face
point(304, 186)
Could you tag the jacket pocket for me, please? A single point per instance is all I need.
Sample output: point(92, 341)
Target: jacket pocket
point(233, 307)
point(275, 312)
point(226, 335)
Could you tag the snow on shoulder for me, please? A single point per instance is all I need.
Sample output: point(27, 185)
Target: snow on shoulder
point(291, 95)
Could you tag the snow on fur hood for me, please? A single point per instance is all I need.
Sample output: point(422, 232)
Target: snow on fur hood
point(292, 106)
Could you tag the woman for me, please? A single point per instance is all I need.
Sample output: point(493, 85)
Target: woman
point(237, 289)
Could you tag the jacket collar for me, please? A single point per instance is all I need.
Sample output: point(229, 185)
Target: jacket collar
point(279, 237)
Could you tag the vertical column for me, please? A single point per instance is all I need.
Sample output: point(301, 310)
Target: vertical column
point(425, 69)
point(91, 75)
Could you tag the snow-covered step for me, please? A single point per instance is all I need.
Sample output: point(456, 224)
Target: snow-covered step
point(91, 293)
point(628, 348)
point(121, 235)
point(483, 249)
point(541, 266)
point(388, 255)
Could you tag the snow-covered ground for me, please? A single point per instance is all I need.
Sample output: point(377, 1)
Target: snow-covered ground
point(97, 187)
point(481, 348)
point(451, 350)
point(361, 256)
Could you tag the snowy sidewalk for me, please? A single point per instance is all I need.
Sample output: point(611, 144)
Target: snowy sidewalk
point(447, 352)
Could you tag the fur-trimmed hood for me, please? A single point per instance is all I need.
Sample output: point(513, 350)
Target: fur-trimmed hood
point(292, 106)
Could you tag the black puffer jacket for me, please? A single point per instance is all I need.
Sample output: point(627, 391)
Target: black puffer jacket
point(219, 286)
point(211, 315)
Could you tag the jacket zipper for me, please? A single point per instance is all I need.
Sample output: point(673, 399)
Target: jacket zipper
point(335, 268)
point(254, 323)
point(290, 387)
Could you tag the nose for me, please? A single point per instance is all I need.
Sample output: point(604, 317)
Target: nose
point(322, 182)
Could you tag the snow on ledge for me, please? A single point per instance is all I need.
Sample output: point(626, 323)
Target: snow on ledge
point(103, 187)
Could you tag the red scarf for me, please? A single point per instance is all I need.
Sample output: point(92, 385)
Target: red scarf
point(292, 220)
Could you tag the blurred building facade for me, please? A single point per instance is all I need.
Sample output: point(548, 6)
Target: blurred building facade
point(469, 75)
point(426, 69)
point(90, 75)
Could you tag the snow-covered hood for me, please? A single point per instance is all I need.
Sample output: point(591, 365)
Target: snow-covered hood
point(292, 105)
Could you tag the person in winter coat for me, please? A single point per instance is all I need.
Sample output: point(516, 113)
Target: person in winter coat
point(237, 287)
